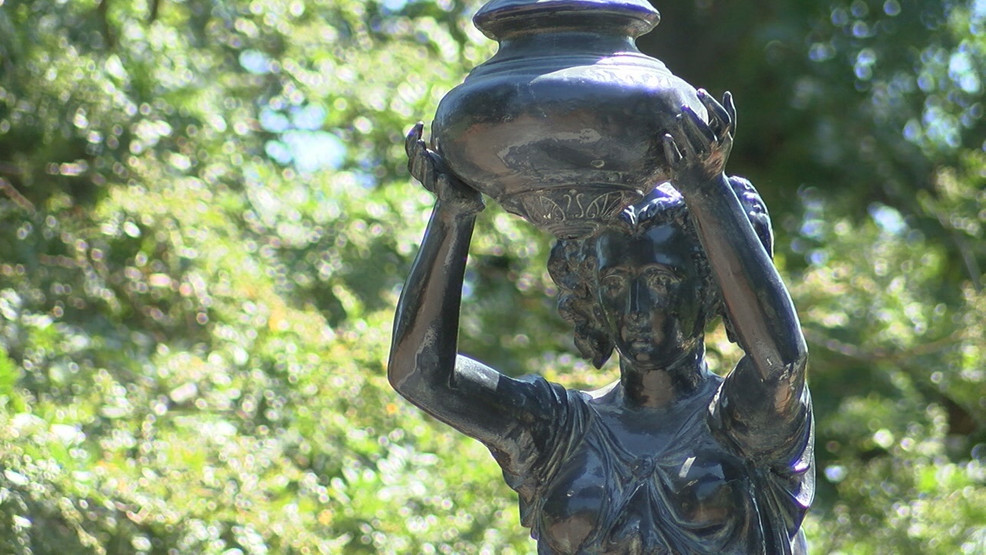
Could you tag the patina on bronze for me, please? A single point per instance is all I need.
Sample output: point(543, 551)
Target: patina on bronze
point(670, 458)
point(551, 125)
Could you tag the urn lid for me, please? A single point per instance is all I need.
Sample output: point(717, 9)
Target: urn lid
point(502, 19)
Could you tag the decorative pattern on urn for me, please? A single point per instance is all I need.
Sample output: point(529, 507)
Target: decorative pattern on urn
point(570, 213)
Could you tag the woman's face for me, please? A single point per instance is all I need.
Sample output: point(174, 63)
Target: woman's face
point(650, 290)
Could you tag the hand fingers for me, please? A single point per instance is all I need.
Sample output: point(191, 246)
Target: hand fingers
point(671, 152)
point(730, 106)
point(719, 120)
point(696, 132)
point(412, 139)
point(428, 173)
point(418, 162)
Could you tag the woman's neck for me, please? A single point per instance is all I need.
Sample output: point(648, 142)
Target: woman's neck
point(662, 387)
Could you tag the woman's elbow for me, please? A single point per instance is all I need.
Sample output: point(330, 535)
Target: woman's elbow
point(794, 362)
point(413, 375)
point(399, 373)
point(785, 361)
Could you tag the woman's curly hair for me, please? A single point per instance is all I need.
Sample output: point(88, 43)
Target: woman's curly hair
point(572, 262)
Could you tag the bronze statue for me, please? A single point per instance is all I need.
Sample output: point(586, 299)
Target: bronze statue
point(671, 458)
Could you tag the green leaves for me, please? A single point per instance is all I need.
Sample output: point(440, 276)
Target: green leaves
point(205, 221)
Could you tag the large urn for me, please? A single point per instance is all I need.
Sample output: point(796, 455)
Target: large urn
point(564, 125)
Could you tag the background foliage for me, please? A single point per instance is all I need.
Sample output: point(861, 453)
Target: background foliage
point(205, 221)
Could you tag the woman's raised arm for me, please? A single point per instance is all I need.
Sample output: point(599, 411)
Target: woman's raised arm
point(769, 382)
point(424, 365)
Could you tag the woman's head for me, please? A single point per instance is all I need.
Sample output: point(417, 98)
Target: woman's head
point(644, 285)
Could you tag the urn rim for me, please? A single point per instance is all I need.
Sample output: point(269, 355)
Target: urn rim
point(499, 19)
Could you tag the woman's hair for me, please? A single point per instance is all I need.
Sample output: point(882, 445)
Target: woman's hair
point(572, 262)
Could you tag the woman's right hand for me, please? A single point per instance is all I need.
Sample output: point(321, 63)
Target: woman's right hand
point(428, 168)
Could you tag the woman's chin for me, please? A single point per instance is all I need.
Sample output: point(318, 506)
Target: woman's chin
point(646, 354)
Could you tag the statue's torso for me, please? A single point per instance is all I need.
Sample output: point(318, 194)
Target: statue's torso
point(688, 491)
point(663, 486)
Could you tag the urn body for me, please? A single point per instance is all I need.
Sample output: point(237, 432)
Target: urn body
point(564, 125)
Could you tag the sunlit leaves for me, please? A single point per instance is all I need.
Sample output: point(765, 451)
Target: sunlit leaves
point(206, 221)
point(203, 320)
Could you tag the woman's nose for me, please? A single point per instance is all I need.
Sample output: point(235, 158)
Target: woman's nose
point(639, 301)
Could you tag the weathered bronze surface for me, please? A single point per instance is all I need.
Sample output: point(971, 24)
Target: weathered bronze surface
point(551, 125)
point(670, 458)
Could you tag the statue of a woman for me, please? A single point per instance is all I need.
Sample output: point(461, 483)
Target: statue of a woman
point(671, 458)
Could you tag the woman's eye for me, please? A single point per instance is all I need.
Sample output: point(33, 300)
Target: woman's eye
point(659, 281)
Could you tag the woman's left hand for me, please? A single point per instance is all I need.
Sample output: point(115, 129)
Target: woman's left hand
point(697, 151)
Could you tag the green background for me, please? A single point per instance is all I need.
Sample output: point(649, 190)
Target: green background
point(205, 221)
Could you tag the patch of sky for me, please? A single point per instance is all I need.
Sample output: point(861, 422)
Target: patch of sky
point(859, 9)
point(309, 151)
point(913, 131)
point(979, 9)
point(279, 152)
point(865, 61)
point(274, 121)
point(367, 180)
point(301, 140)
point(941, 127)
point(813, 228)
point(469, 284)
point(962, 71)
point(309, 116)
point(972, 116)
point(836, 473)
point(821, 51)
point(818, 257)
point(861, 30)
point(255, 61)
point(903, 83)
point(888, 218)
point(840, 17)
point(393, 6)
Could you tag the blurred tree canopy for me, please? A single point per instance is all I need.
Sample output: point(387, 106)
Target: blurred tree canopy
point(205, 222)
